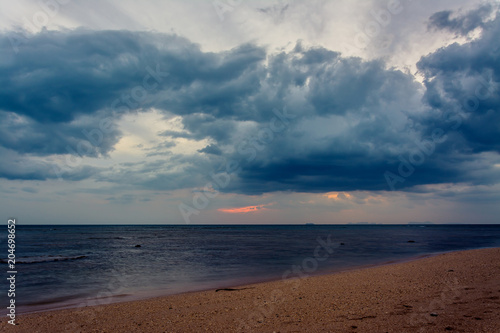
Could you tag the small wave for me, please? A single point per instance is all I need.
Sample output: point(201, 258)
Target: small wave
point(33, 260)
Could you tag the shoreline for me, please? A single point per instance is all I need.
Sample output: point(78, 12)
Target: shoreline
point(455, 291)
point(75, 303)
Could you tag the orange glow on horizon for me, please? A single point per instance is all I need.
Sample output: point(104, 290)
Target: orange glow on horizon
point(338, 195)
point(247, 209)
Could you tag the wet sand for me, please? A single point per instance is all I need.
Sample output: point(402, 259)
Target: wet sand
point(452, 292)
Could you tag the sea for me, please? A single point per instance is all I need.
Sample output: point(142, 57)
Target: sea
point(80, 265)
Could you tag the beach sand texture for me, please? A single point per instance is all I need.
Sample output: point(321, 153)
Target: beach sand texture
point(451, 292)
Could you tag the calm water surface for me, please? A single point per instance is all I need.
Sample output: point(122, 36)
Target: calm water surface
point(84, 265)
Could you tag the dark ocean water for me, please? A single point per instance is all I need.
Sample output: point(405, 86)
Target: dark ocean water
point(86, 265)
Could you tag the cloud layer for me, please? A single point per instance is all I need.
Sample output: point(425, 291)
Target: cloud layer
point(303, 120)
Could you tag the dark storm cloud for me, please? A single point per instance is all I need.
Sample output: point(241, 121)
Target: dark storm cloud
point(177, 134)
point(461, 100)
point(57, 79)
point(463, 82)
point(25, 135)
point(462, 24)
point(211, 149)
point(160, 149)
point(173, 172)
point(220, 88)
point(348, 122)
point(15, 166)
point(60, 75)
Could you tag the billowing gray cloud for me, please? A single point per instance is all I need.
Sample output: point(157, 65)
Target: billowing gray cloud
point(306, 120)
point(211, 149)
point(463, 85)
point(460, 107)
point(16, 166)
point(62, 83)
point(462, 24)
point(84, 136)
point(160, 149)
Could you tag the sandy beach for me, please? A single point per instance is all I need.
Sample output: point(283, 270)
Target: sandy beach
point(451, 292)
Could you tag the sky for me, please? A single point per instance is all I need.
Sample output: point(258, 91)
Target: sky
point(250, 112)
